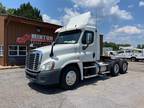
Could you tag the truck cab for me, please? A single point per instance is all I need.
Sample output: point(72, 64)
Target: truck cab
point(74, 56)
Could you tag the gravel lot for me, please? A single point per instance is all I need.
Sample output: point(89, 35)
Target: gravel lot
point(124, 91)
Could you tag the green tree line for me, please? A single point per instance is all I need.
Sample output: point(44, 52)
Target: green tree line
point(25, 10)
point(114, 45)
point(140, 46)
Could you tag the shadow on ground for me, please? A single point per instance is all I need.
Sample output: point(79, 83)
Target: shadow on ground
point(55, 89)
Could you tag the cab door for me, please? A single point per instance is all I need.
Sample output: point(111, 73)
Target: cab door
point(88, 49)
point(88, 53)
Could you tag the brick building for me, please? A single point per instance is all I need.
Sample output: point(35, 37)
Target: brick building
point(18, 35)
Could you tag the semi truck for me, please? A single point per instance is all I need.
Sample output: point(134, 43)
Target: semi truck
point(73, 56)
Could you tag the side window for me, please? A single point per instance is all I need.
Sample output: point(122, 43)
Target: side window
point(91, 36)
point(120, 52)
point(128, 51)
point(139, 51)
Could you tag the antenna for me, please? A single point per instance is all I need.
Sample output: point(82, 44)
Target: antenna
point(97, 26)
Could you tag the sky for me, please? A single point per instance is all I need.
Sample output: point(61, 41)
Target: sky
point(121, 21)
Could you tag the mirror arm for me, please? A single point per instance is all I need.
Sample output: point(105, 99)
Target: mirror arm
point(52, 53)
point(85, 47)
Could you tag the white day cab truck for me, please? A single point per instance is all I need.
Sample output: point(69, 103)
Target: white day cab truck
point(74, 56)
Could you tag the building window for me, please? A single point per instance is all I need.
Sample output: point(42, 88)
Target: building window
point(13, 50)
point(22, 50)
point(17, 50)
point(38, 29)
point(1, 50)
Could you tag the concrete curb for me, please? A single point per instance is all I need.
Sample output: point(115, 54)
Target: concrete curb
point(12, 67)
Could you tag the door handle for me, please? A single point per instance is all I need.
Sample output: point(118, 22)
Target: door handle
point(94, 55)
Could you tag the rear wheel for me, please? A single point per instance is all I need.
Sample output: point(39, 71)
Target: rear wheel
point(69, 78)
point(124, 67)
point(115, 69)
point(133, 59)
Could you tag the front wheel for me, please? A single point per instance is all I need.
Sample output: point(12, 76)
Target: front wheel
point(69, 78)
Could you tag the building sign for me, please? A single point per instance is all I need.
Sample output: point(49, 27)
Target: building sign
point(41, 38)
point(34, 38)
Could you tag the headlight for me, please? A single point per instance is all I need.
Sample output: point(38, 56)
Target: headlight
point(47, 66)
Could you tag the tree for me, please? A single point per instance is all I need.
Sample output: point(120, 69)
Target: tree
point(143, 46)
point(124, 45)
point(140, 46)
point(112, 45)
point(26, 10)
point(115, 46)
point(11, 11)
point(2, 9)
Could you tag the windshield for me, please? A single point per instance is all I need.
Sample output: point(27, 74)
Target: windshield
point(69, 37)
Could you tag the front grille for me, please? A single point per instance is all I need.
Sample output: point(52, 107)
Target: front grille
point(33, 60)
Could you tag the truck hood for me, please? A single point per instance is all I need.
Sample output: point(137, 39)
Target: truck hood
point(58, 49)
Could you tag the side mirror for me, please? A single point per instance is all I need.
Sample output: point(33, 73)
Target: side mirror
point(87, 41)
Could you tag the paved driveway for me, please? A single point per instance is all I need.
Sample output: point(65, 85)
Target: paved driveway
point(124, 91)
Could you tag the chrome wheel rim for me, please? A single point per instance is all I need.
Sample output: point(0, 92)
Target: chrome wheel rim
point(71, 78)
point(116, 68)
point(124, 67)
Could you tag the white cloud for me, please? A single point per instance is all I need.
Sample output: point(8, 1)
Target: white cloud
point(126, 30)
point(95, 3)
point(68, 14)
point(130, 6)
point(115, 26)
point(48, 19)
point(129, 30)
point(104, 8)
point(140, 25)
point(127, 34)
point(122, 14)
point(101, 10)
point(141, 3)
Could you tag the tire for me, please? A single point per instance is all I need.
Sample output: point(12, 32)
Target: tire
point(115, 69)
point(124, 67)
point(133, 59)
point(70, 78)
